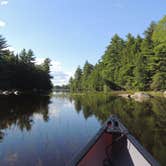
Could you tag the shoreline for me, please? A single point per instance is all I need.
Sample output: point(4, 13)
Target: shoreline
point(152, 93)
point(23, 92)
point(125, 94)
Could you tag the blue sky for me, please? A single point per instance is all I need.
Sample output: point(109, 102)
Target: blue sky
point(72, 31)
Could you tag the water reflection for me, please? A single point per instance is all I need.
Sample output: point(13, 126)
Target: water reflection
point(146, 120)
point(39, 130)
point(19, 111)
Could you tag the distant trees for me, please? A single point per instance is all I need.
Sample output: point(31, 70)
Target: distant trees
point(20, 72)
point(134, 63)
point(61, 88)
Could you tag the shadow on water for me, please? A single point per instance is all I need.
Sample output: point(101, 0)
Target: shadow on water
point(19, 111)
point(146, 120)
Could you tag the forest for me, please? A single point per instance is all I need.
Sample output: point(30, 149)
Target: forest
point(20, 72)
point(134, 63)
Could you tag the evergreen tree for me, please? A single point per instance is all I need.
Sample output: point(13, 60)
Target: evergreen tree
point(96, 82)
point(20, 72)
point(87, 70)
point(111, 59)
point(78, 79)
point(136, 63)
point(3, 46)
point(46, 65)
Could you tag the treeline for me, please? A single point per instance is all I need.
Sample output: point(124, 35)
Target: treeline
point(62, 88)
point(20, 72)
point(133, 63)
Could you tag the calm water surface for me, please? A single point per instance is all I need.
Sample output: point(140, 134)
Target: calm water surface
point(39, 131)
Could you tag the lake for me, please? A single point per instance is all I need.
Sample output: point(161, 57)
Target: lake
point(42, 130)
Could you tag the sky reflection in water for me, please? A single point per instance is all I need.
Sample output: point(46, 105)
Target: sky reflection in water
point(50, 131)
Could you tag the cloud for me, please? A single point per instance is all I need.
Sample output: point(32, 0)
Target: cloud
point(12, 49)
point(3, 2)
point(2, 23)
point(60, 77)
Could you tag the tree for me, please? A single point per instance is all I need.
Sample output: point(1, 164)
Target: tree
point(159, 58)
point(140, 73)
point(96, 81)
point(21, 73)
point(3, 46)
point(46, 65)
point(159, 81)
point(30, 57)
point(78, 79)
point(71, 84)
point(136, 63)
point(148, 44)
point(111, 59)
point(87, 70)
point(23, 56)
point(159, 35)
point(27, 57)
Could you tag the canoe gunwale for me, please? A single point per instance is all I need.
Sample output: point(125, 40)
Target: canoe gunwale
point(87, 148)
point(140, 148)
point(125, 132)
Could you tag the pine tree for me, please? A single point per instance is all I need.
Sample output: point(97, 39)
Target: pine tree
point(159, 59)
point(3, 46)
point(87, 70)
point(111, 59)
point(78, 79)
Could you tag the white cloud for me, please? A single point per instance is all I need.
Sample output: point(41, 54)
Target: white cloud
point(4, 2)
point(39, 61)
point(2, 24)
point(12, 49)
point(60, 77)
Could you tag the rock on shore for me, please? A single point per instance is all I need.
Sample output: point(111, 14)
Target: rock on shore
point(137, 96)
point(164, 93)
point(140, 96)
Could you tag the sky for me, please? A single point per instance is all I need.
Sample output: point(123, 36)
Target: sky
point(70, 32)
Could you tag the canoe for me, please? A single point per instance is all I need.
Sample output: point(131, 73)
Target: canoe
point(113, 145)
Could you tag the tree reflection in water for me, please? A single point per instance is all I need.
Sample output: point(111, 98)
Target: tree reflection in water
point(19, 111)
point(146, 120)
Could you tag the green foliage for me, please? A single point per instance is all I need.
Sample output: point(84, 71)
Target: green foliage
point(159, 81)
point(96, 81)
point(134, 63)
point(76, 84)
point(46, 65)
point(27, 57)
point(159, 34)
point(111, 59)
point(87, 70)
point(19, 72)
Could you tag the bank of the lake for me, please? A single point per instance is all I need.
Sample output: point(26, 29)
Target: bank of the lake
point(125, 94)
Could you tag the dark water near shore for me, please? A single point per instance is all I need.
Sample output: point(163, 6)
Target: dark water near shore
point(39, 130)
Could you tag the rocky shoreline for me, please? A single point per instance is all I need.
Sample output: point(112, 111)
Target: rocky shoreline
point(139, 96)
